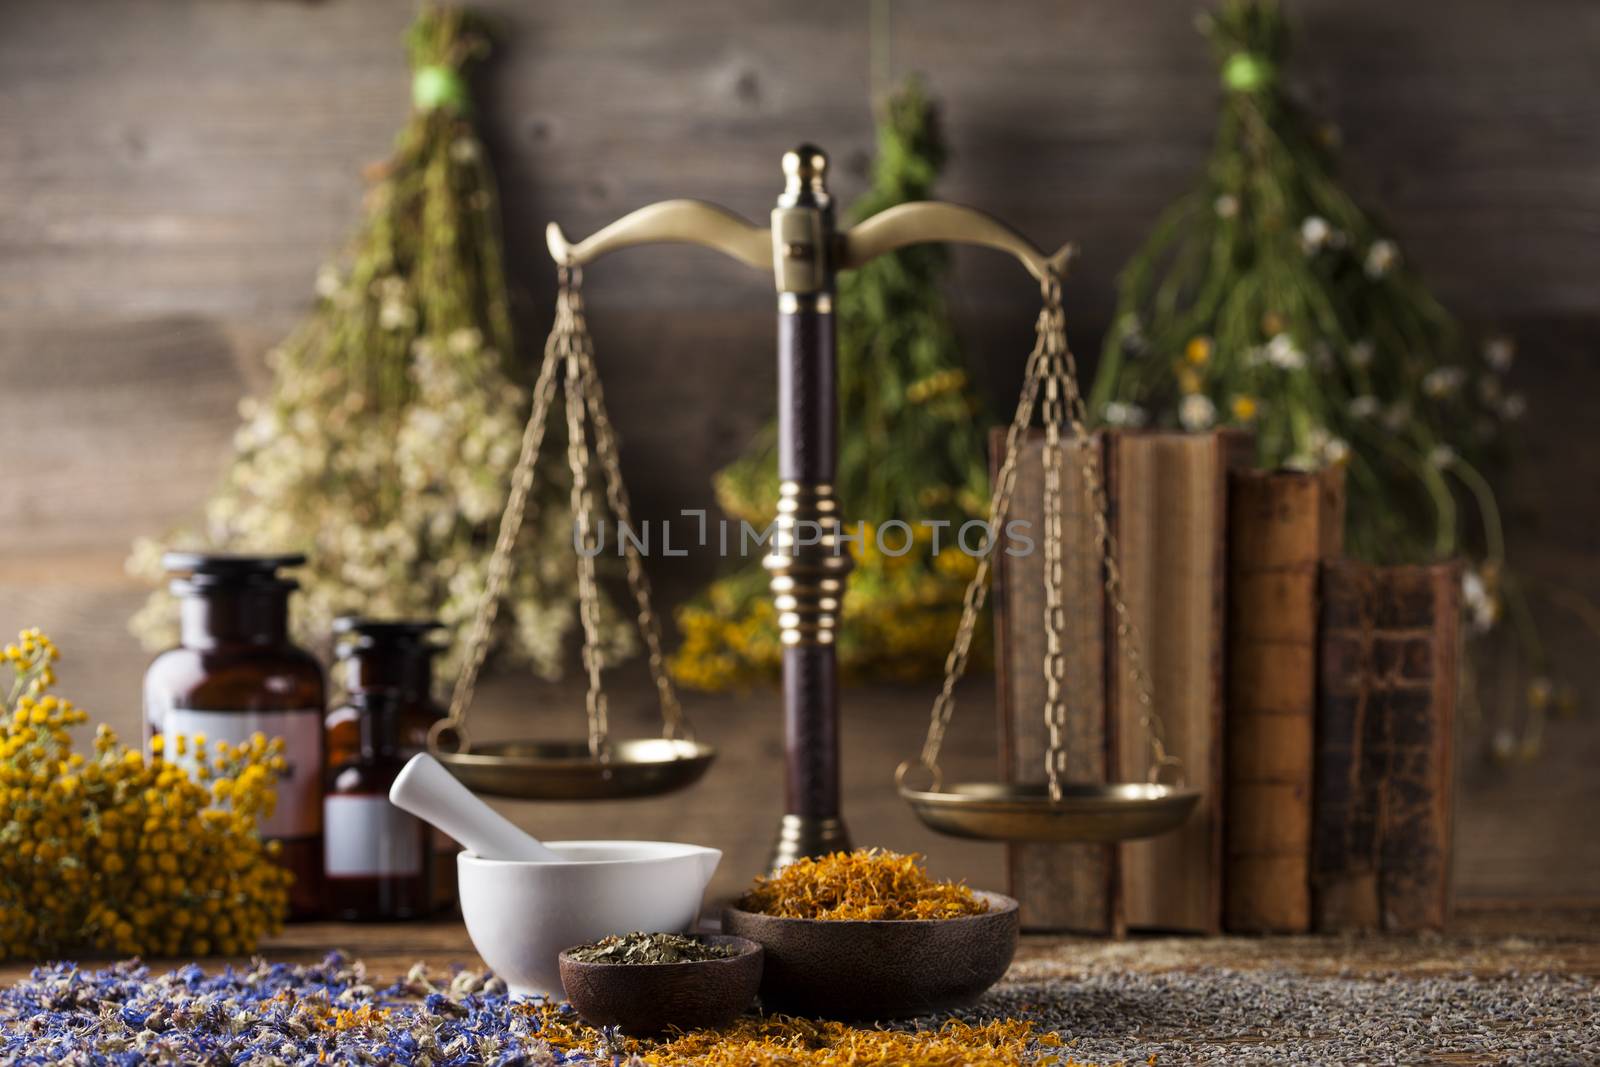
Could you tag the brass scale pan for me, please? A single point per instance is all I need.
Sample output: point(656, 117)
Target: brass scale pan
point(564, 770)
point(1002, 811)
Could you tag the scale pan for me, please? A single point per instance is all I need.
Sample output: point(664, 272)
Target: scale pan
point(564, 770)
point(1000, 811)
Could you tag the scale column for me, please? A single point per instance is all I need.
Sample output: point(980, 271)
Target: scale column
point(808, 559)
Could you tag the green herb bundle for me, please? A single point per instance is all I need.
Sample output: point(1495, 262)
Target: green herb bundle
point(911, 448)
point(1267, 298)
point(385, 447)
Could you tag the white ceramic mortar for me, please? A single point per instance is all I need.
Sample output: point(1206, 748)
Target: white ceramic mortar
point(521, 915)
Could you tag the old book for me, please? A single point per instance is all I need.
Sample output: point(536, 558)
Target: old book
point(1385, 776)
point(1169, 512)
point(1281, 526)
point(1061, 887)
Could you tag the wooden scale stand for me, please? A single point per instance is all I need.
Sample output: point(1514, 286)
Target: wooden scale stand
point(807, 559)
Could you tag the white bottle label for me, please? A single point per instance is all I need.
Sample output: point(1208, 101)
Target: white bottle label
point(366, 837)
point(298, 812)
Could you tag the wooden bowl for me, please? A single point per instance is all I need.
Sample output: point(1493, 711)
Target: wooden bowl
point(647, 998)
point(879, 969)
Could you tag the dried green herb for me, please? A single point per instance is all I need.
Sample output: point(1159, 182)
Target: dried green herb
point(642, 948)
point(1267, 298)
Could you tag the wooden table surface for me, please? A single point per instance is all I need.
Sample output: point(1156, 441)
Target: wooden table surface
point(1482, 940)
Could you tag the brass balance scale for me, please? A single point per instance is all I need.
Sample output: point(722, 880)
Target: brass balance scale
point(807, 559)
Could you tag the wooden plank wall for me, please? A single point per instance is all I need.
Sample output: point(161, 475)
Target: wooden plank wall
point(173, 171)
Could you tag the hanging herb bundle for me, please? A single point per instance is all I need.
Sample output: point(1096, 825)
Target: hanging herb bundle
point(385, 448)
point(1268, 299)
point(911, 449)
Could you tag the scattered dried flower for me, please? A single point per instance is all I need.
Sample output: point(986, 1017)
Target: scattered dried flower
point(1499, 353)
point(1443, 381)
point(1314, 233)
point(1382, 257)
point(1284, 354)
point(1196, 412)
point(1117, 413)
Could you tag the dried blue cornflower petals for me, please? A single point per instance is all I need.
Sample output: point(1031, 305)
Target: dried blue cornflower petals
point(277, 1013)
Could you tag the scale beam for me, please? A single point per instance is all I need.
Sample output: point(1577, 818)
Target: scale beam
point(694, 222)
point(803, 251)
point(929, 221)
point(698, 222)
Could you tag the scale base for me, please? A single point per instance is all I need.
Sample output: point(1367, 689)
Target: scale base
point(807, 835)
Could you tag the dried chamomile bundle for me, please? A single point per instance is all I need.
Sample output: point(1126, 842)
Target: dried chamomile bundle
point(385, 446)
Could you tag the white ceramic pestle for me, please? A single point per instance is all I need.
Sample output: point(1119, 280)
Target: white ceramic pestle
point(524, 902)
point(432, 794)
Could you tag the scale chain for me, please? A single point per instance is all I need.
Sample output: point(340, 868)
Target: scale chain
point(1129, 639)
point(1052, 367)
point(499, 568)
point(1055, 711)
point(675, 723)
point(569, 354)
point(583, 539)
point(978, 587)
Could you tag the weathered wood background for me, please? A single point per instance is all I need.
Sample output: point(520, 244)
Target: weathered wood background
point(173, 171)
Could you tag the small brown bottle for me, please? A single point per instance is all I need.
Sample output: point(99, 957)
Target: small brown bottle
point(393, 655)
point(378, 860)
point(236, 673)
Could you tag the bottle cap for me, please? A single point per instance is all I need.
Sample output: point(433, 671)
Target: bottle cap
point(354, 633)
point(212, 569)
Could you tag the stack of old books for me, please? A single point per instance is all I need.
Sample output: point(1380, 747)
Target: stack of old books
point(1310, 697)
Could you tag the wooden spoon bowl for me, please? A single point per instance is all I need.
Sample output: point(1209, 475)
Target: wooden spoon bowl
point(644, 999)
point(883, 968)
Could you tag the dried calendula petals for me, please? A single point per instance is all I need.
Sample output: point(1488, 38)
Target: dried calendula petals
point(781, 1040)
point(865, 884)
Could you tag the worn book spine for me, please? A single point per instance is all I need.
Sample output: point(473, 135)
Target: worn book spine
point(1169, 513)
point(1382, 831)
point(1061, 887)
point(1281, 526)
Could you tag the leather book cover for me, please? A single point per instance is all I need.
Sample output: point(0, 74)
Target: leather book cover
point(1281, 526)
point(1169, 512)
point(1385, 777)
point(1061, 887)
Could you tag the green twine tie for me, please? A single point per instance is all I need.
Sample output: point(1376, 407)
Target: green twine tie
point(1246, 72)
point(435, 86)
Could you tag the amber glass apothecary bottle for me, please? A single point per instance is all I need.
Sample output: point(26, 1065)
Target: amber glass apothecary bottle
point(393, 656)
point(377, 859)
point(236, 673)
